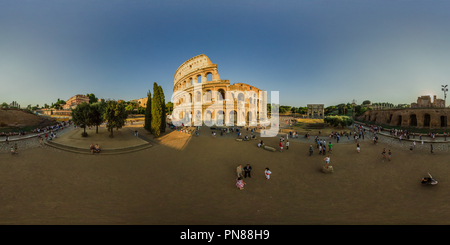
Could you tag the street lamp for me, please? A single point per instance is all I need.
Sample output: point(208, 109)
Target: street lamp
point(445, 89)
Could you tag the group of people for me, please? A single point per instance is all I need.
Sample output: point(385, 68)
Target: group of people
point(247, 172)
point(94, 149)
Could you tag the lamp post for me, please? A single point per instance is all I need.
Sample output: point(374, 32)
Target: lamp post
point(445, 89)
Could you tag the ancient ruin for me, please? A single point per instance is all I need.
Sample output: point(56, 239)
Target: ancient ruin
point(412, 117)
point(315, 111)
point(200, 94)
point(424, 101)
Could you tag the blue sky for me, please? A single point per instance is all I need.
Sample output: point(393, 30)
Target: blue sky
point(314, 51)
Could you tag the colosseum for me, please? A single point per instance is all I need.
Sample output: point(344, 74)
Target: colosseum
point(201, 97)
point(433, 118)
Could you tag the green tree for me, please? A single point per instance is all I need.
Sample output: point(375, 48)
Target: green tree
point(129, 109)
point(148, 113)
point(97, 111)
point(156, 111)
point(5, 105)
point(81, 115)
point(92, 98)
point(366, 102)
point(163, 107)
point(169, 107)
point(115, 116)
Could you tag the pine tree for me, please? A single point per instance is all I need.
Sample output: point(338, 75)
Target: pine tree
point(148, 113)
point(163, 106)
point(156, 111)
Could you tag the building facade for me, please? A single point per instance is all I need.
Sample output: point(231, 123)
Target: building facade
point(74, 101)
point(201, 97)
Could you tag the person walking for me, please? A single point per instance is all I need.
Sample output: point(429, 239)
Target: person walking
point(311, 149)
point(247, 171)
point(239, 171)
point(267, 173)
point(384, 154)
point(287, 144)
point(281, 146)
point(330, 147)
point(410, 148)
point(240, 183)
point(389, 155)
point(358, 148)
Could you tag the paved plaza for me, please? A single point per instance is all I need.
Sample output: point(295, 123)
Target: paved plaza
point(185, 179)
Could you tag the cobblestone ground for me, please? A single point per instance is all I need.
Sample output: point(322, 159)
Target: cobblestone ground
point(29, 142)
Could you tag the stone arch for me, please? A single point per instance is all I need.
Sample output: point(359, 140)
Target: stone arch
point(413, 120)
point(220, 118)
point(241, 97)
point(443, 121)
point(208, 117)
point(199, 78)
point(209, 76)
point(426, 120)
point(208, 95)
point(220, 94)
point(249, 116)
point(232, 117)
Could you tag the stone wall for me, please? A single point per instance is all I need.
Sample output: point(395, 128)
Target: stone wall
point(433, 118)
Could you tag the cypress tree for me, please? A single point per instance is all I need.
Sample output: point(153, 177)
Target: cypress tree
point(148, 113)
point(163, 106)
point(156, 111)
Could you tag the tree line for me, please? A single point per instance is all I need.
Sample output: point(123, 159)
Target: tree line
point(115, 113)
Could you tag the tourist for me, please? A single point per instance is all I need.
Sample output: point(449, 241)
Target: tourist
point(40, 140)
point(327, 160)
point(247, 170)
point(410, 148)
point(240, 183)
point(97, 148)
point(330, 147)
point(281, 146)
point(384, 154)
point(311, 149)
point(320, 150)
point(12, 150)
point(431, 148)
point(389, 155)
point(260, 143)
point(358, 148)
point(92, 148)
point(414, 144)
point(287, 144)
point(267, 173)
point(239, 171)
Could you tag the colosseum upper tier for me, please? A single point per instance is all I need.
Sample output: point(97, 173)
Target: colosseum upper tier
point(201, 98)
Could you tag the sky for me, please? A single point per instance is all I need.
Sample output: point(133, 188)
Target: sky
point(311, 51)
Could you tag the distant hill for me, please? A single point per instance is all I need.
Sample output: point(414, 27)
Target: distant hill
point(14, 118)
